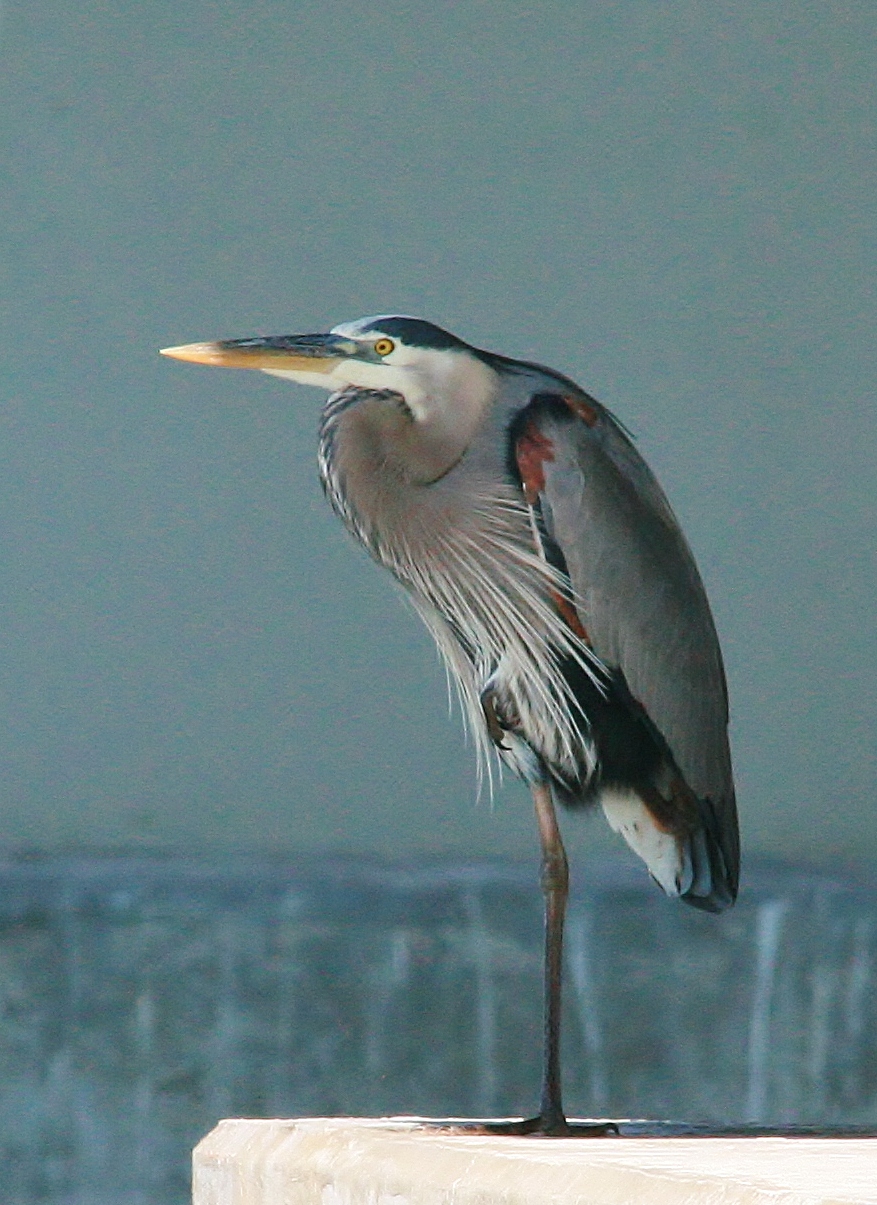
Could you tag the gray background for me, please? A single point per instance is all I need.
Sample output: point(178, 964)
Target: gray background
point(671, 202)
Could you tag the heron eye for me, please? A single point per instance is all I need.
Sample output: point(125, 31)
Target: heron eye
point(384, 346)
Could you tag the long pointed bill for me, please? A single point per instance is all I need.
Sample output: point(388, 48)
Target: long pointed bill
point(278, 353)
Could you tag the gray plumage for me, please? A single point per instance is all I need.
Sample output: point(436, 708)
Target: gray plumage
point(471, 551)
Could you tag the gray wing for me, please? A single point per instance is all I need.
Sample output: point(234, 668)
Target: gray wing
point(640, 596)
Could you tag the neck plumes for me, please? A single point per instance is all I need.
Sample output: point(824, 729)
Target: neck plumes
point(381, 450)
point(458, 535)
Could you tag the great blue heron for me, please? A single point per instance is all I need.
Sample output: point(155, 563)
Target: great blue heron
point(542, 555)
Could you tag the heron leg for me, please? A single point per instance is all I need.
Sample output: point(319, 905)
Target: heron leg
point(555, 888)
point(552, 1121)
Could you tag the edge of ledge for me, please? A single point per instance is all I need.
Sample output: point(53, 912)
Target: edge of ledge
point(402, 1160)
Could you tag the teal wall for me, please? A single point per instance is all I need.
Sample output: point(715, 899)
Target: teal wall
point(674, 203)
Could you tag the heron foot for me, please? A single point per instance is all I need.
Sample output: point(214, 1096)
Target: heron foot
point(498, 715)
point(559, 1128)
point(495, 727)
point(539, 1127)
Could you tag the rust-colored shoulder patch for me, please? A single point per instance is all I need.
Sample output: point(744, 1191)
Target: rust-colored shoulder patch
point(532, 449)
point(571, 616)
point(584, 410)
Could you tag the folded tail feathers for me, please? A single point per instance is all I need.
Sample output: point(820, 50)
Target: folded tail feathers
point(711, 862)
point(699, 867)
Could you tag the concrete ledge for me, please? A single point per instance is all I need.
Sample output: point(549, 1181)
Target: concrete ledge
point(352, 1161)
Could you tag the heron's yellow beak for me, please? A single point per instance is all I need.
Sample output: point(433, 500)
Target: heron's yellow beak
point(283, 353)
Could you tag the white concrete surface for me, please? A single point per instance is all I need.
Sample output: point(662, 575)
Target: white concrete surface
point(353, 1161)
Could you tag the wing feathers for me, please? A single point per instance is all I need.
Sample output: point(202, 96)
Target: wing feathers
point(642, 601)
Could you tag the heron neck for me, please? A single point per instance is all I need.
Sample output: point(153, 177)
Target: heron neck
point(417, 440)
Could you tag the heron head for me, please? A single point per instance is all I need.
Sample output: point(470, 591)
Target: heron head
point(433, 371)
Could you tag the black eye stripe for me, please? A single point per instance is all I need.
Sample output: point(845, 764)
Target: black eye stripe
point(414, 332)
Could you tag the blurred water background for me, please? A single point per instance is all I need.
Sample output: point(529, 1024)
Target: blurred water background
point(143, 999)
